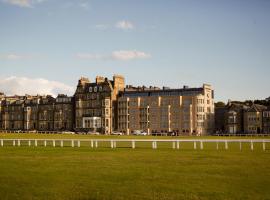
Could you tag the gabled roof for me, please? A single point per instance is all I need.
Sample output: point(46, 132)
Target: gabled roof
point(256, 108)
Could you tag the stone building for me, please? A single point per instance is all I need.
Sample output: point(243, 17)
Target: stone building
point(95, 104)
point(31, 105)
point(266, 121)
point(187, 111)
point(234, 117)
point(63, 113)
point(46, 113)
point(253, 119)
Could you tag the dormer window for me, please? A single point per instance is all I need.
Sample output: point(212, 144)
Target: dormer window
point(90, 89)
point(95, 89)
point(100, 88)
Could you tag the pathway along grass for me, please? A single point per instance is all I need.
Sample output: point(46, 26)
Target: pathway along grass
point(103, 173)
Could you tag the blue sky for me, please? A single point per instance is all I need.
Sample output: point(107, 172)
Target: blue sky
point(47, 45)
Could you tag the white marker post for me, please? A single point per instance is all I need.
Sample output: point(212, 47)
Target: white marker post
point(173, 145)
point(195, 145)
point(133, 144)
point(226, 145)
point(92, 144)
point(45, 143)
point(217, 146)
point(61, 143)
point(263, 144)
point(79, 143)
point(35, 143)
point(251, 146)
point(177, 145)
point(14, 143)
point(19, 142)
point(201, 144)
point(2, 143)
point(29, 143)
point(53, 143)
point(96, 144)
point(72, 143)
point(111, 144)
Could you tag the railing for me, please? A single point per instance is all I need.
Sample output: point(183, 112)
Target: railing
point(94, 143)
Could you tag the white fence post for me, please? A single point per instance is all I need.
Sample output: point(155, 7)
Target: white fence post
point(92, 144)
point(251, 146)
point(14, 143)
point(217, 146)
point(111, 144)
point(29, 143)
point(79, 143)
point(45, 143)
point(263, 144)
point(96, 143)
point(173, 144)
point(201, 144)
point(133, 144)
point(19, 142)
point(153, 145)
point(178, 145)
point(53, 143)
point(72, 143)
point(195, 145)
point(2, 143)
point(36, 143)
point(226, 144)
point(61, 143)
point(114, 144)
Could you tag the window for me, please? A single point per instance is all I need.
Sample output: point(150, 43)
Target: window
point(95, 89)
point(100, 88)
point(90, 89)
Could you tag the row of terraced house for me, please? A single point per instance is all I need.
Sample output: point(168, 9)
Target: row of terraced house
point(107, 105)
point(242, 117)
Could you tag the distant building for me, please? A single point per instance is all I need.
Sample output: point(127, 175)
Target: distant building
point(95, 104)
point(253, 119)
point(187, 111)
point(266, 121)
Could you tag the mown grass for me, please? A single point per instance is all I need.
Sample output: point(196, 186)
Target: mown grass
point(141, 173)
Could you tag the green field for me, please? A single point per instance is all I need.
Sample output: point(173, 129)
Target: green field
point(125, 173)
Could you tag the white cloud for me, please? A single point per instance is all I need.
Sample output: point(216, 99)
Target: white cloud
point(84, 5)
point(124, 25)
point(123, 55)
point(23, 3)
point(21, 85)
point(14, 56)
point(129, 55)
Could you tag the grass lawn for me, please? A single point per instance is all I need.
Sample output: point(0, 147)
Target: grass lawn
point(141, 173)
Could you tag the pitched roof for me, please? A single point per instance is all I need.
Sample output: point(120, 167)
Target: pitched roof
point(256, 108)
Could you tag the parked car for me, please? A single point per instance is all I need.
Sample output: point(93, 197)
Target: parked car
point(139, 132)
point(116, 133)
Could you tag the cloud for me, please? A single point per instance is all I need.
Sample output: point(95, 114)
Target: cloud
point(129, 55)
point(14, 56)
point(23, 3)
point(84, 5)
point(123, 55)
point(21, 85)
point(124, 25)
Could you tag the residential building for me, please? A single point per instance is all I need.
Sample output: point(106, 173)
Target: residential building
point(266, 121)
point(253, 119)
point(63, 113)
point(186, 111)
point(95, 104)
